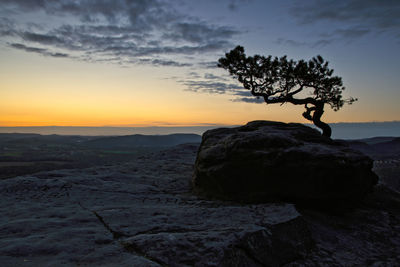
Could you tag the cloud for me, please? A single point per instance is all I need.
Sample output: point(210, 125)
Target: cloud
point(213, 84)
point(377, 13)
point(344, 20)
point(211, 87)
point(208, 64)
point(210, 76)
point(360, 17)
point(41, 51)
point(312, 44)
point(249, 100)
point(123, 31)
point(45, 39)
point(138, 12)
point(160, 62)
point(198, 32)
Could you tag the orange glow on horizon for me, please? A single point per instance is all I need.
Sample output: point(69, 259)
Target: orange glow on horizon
point(66, 93)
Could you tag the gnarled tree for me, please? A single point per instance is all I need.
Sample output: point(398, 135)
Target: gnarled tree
point(279, 80)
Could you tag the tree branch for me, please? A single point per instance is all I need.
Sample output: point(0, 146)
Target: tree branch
point(307, 113)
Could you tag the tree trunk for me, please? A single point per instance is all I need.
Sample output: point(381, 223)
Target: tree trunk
point(326, 129)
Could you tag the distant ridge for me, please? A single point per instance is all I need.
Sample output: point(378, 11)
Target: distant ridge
point(38, 139)
point(99, 142)
point(377, 140)
point(108, 131)
point(343, 130)
point(378, 147)
point(138, 140)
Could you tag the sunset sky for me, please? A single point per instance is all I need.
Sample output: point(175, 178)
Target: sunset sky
point(153, 62)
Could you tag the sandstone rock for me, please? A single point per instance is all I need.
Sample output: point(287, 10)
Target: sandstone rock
point(281, 244)
point(269, 161)
point(140, 213)
point(226, 236)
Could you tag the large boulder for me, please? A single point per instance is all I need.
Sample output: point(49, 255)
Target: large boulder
point(274, 161)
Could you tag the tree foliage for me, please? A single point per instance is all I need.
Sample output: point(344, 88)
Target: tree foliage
point(280, 80)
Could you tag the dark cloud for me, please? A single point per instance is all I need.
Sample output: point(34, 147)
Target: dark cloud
point(351, 18)
point(249, 100)
point(27, 48)
point(211, 87)
point(141, 13)
point(213, 84)
point(345, 20)
point(124, 31)
point(41, 38)
point(312, 44)
point(242, 92)
point(376, 13)
point(208, 64)
point(42, 51)
point(199, 32)
point(210, 76)
point(245, 96)
point(160, 62)
point(58, 54)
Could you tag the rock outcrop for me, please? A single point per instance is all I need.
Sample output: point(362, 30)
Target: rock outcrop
point(273, 161)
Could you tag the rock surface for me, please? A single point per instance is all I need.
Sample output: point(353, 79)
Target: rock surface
point(143, 213)
point(273, 161)
point(140, 213)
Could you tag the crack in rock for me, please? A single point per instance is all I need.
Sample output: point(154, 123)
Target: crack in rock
point(118, 235)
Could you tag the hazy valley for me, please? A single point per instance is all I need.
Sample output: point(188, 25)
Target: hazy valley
point(29, 153)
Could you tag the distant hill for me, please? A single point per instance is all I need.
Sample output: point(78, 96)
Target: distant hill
point(351, 130)
point(7, 137)
point(18, 139)
point(378, 147)
point(97, 142)
point(393, 146)
point(377, 140)
point(138, 140)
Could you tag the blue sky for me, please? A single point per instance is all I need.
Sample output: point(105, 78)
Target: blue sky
point(153, 62)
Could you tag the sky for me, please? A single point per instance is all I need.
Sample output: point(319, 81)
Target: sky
point(153, 62)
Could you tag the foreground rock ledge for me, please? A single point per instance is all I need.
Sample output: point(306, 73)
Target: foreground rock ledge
point(269, 161)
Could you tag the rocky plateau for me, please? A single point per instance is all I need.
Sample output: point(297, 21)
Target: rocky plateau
point(144, 213)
